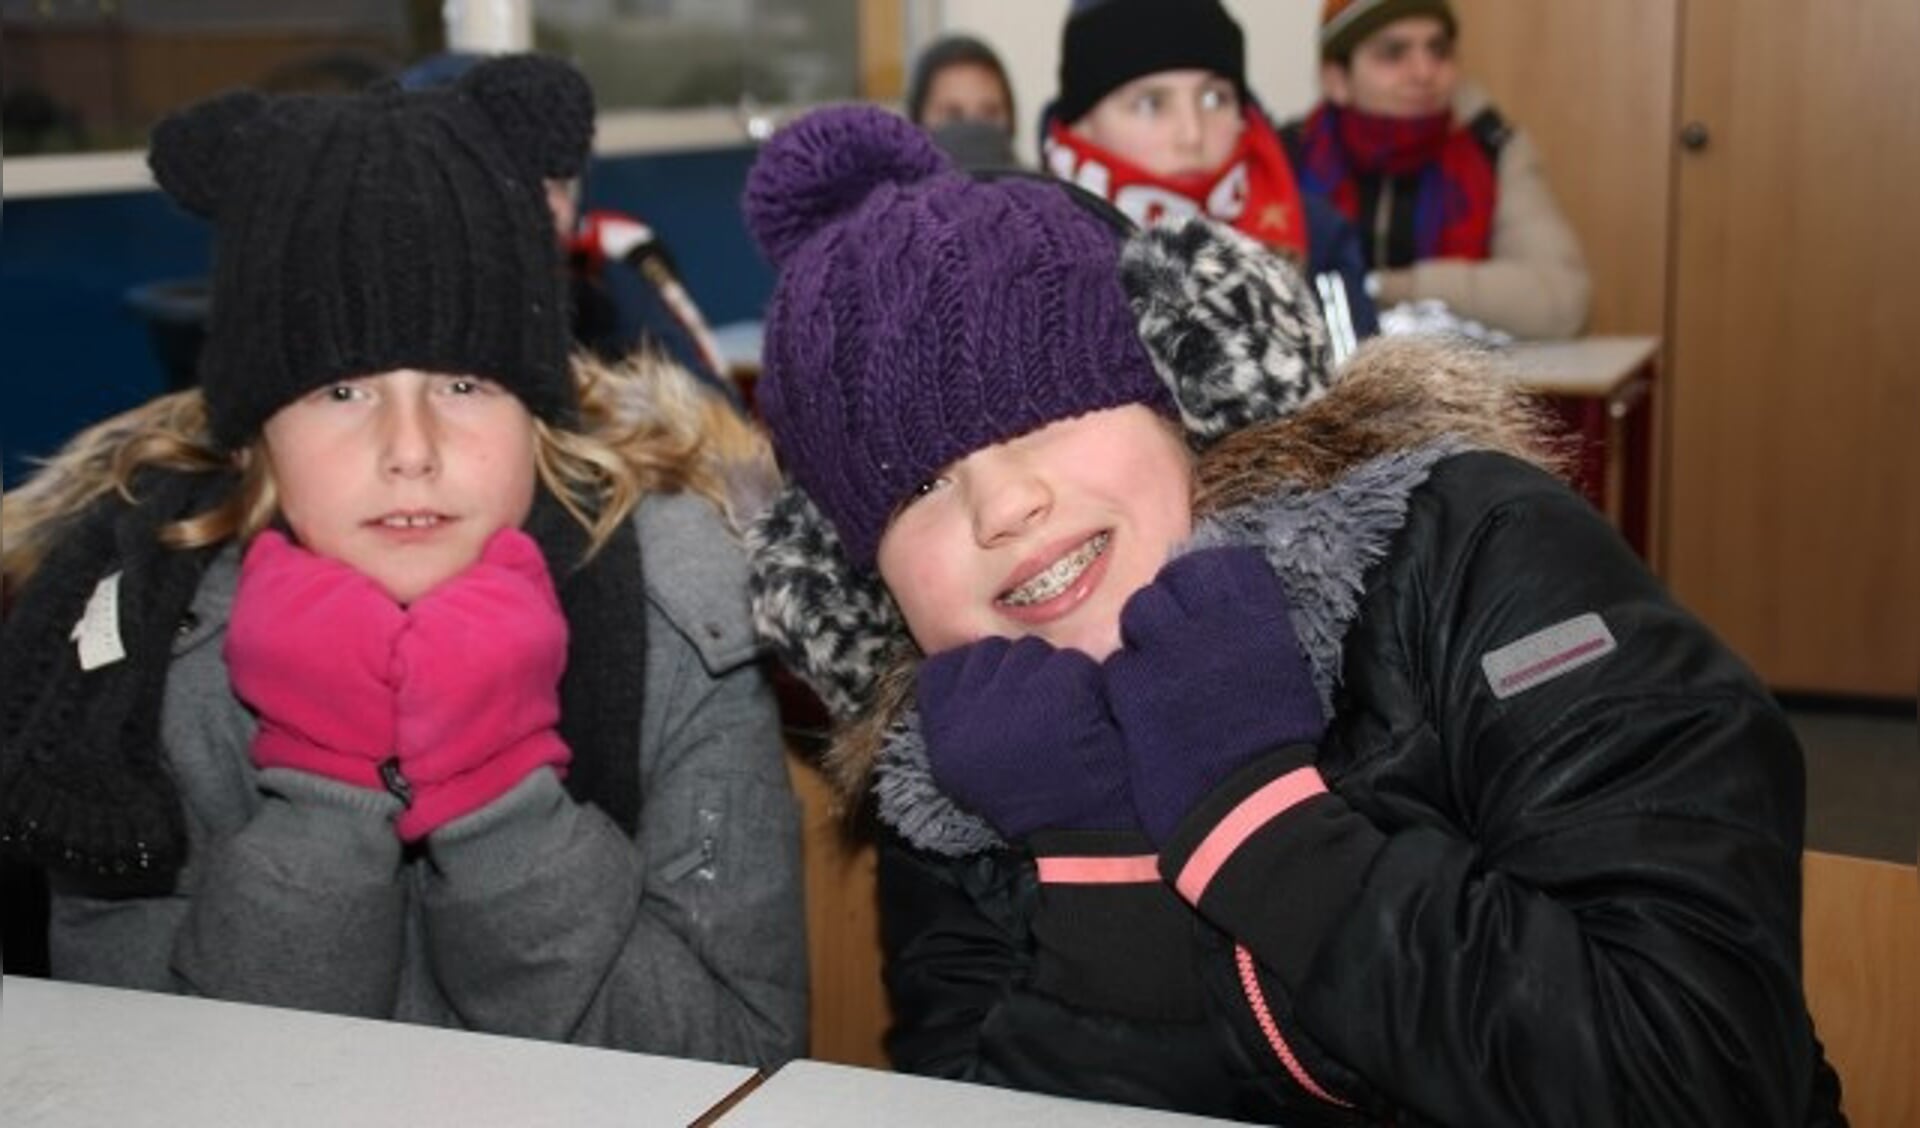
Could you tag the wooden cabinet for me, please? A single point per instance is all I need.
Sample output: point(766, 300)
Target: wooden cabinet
point(1780, 260)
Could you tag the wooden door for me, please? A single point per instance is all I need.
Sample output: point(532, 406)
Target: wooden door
point(1794, 361)
point(1593, 85)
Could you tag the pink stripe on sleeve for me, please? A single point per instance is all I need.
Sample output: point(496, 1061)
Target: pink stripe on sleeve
point(1254, 812)
point(1098, 871)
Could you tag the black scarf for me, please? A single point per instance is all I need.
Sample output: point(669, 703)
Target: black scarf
point(605, 602)
point(84, 785)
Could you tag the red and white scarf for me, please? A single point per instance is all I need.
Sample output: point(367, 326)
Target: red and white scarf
point(1253, 189)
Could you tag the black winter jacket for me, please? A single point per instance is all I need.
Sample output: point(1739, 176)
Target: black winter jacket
point(1555, 880)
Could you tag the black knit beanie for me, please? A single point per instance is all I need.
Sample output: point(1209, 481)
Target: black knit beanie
point(392, 229)
point(1109, 43)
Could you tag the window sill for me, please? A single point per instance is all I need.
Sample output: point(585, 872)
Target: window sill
point(619, 134)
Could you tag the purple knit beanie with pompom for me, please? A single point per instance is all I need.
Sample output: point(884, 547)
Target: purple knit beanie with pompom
point(922, 314)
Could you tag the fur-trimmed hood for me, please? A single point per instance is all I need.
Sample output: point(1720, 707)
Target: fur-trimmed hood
point(1319, 481)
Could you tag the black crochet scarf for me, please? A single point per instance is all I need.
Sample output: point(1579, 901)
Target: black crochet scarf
point(84, 785)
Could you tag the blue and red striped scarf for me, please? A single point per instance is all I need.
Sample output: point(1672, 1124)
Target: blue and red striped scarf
point(1457, 182)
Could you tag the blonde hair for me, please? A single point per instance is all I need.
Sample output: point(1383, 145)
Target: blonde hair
point(645, 427)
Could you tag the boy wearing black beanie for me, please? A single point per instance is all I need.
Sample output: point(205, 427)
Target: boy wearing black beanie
point(1154, 115)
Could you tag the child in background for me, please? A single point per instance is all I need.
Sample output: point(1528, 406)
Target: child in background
point(1154, 115)
point(1240, 744)
point(1451, 202)
point(403, 670)
point(959, 78)
point(958, 91)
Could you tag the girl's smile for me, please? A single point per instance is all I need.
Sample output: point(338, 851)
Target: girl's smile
point(413, 522)
point(1041, 590)
point(1045, 534)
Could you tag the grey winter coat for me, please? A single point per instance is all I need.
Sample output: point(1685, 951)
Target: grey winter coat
point(536, 916)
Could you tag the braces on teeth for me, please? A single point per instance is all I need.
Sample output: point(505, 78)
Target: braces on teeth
point(1063, 572)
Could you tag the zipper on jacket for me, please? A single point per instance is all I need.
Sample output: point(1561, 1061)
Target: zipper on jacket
point(699, 860)
point(1263, 1015)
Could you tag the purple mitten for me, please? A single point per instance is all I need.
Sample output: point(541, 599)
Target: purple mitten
point(1018, 732)
point(1208, 678)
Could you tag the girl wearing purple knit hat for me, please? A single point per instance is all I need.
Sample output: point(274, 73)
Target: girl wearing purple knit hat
point(1242, 743)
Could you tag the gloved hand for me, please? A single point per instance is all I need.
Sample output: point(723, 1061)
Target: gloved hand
point(310, 647)
point(1018, 733)
point(479, 668)
point(1209, 677)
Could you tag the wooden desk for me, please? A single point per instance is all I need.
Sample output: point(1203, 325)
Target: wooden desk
point(1601, 388)
point(812, 1094)
point(76, 1056)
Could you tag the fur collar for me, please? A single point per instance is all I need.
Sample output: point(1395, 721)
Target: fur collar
point(1321, 543)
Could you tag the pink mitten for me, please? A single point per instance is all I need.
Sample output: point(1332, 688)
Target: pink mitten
point(310, 646)
point(479, 667)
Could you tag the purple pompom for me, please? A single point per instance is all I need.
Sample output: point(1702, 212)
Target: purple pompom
point(822, 166)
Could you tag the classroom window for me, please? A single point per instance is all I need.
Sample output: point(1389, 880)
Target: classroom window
point(93, 75)
point(86, 76)
point(699, 54)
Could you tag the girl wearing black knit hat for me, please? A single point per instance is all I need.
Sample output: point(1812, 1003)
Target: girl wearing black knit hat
point(1154, 114)
point(403, 668)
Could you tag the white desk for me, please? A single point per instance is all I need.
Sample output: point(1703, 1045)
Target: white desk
point(812, 1094)
point(76, 1056)
point(1583, 366)
point(1601, 388)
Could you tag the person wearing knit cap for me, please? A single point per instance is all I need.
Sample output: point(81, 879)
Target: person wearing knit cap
point(1451, 202)
point(1154, 114)
point(959, 78)
point(403, 668)
point(958, 91)
point(1242, 741)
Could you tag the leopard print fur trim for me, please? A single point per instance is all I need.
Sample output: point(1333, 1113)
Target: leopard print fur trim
point(1233, 330)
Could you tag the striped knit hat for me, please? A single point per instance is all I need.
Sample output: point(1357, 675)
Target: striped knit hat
point(1345, 24)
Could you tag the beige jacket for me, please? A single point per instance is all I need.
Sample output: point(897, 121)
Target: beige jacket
point(1535, 282)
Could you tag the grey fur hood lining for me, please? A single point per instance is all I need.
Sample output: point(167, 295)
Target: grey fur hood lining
point(1321, 543)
